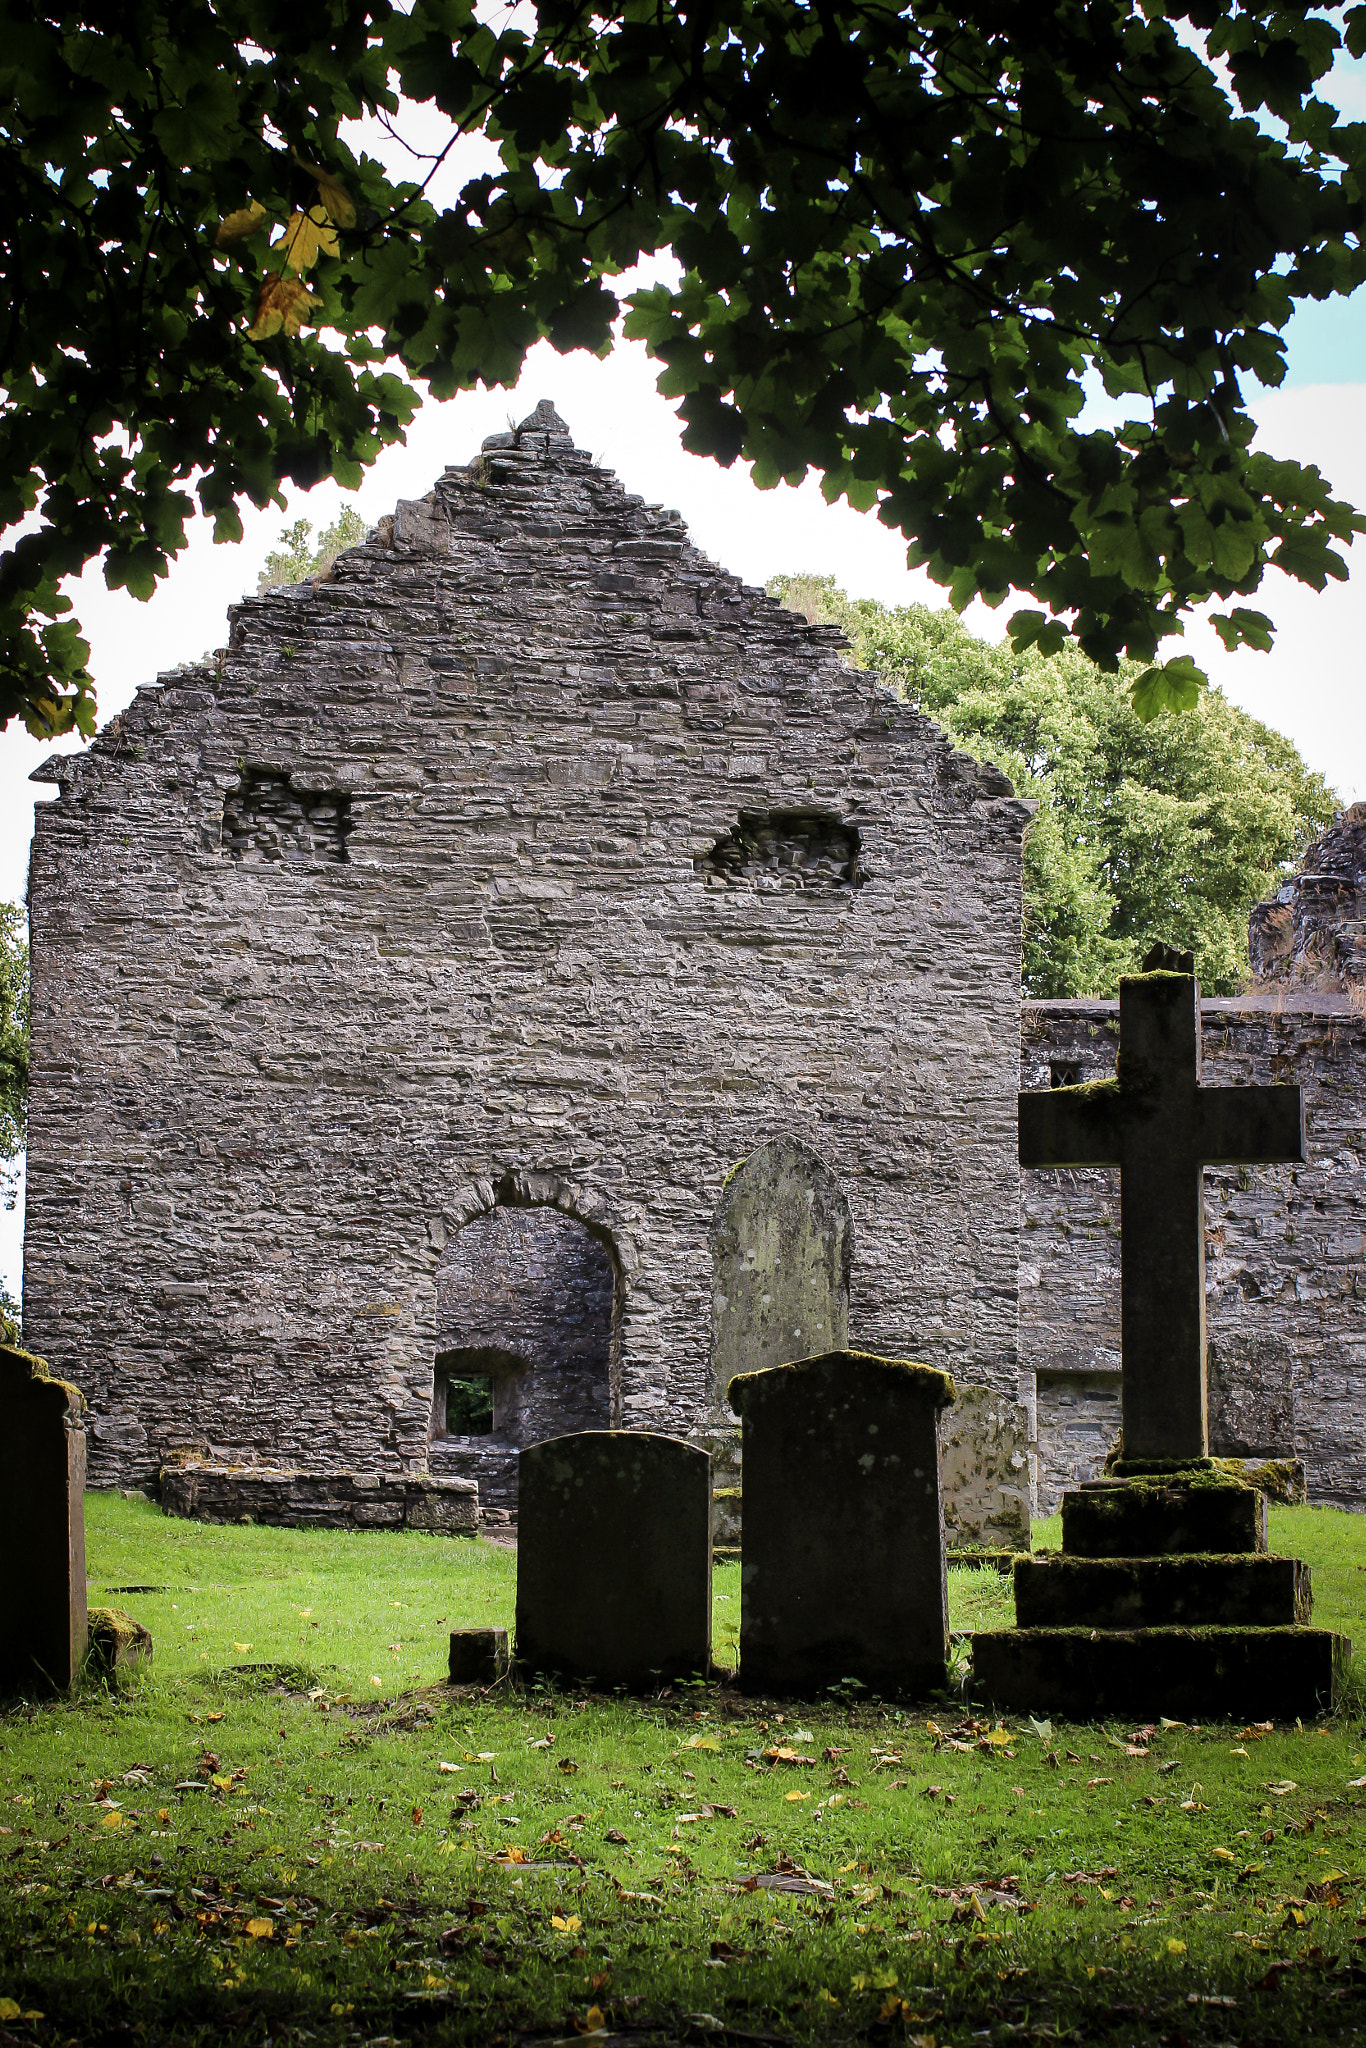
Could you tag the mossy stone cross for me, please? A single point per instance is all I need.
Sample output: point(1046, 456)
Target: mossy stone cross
point(1161, 1129)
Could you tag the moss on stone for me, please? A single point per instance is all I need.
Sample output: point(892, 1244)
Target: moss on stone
point(929, 1380)
point(39, 1369)
point(118, 1645)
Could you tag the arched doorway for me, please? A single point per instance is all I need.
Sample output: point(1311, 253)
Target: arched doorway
point(525, 1301)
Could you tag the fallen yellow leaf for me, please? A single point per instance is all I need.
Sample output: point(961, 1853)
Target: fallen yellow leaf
point(111, 1820)
point(790, 1796)
point(701, 1742)
point(9, 2010)
point(1225, 1855)
point(568, 1923)
point(260, 1930)
point(1176, 1948)
point(241, 1648)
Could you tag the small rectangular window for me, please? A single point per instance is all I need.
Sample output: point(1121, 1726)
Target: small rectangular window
point(469, 1406)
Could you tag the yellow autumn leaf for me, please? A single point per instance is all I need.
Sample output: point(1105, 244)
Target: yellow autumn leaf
point(241, 1648)
point(1176, 1948)
point(305, 237)
point(1225, 1855)
point(260, 1930)
point(701, 1742)
point(235, 227)
point(333, 194)
point(9, 2010)
point(222, 1779)
point(594, 2021)
point(568, 1923)
point(791, 1796)
point(111, 1820)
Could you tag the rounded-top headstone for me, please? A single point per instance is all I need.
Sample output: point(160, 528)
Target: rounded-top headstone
point(842, 1549)
point(614, 1557)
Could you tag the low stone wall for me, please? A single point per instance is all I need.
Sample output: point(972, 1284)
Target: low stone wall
point(320, 1500)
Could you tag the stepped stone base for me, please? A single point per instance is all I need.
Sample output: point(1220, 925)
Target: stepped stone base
point(321, 1500)
point(1156, 1515)
point(1158, 1592)
point(1191, 1674)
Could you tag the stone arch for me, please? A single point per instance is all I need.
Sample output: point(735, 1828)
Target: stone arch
point(528, 1299)
point(782, 1248)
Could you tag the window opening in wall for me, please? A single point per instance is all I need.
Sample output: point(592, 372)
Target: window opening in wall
point(469, 1406)
point(784, 850)
point(1064, 1073)
point(265, 817)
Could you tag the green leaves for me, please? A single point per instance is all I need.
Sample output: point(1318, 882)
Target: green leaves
point(1172, 825)
point(1174, 686)
point(906, 238)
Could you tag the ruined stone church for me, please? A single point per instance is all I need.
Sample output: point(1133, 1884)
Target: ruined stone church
point(523, 977)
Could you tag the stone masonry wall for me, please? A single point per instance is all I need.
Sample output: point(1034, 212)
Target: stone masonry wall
point(1285, 1289)
point(529, 859)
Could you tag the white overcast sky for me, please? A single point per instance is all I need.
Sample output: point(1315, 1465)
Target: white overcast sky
point(1310, 685)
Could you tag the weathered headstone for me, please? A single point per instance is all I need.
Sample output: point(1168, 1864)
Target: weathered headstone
point(984, 1473)
point(842, 1551)
point(42, 1525)
point(614, 1557)
point(781, 1247)
point(1164, 1600)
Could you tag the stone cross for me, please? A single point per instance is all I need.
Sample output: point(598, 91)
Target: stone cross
point(1161, 1129)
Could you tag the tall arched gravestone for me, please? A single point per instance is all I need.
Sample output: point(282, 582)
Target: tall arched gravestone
point(614, 1557)
point(781, 1248)
point(842, 1565)
point(42, 1525)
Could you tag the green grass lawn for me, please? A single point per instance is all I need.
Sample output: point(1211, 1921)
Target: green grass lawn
point(291, 1829)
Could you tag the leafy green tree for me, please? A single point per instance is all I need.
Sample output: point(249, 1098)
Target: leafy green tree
point(296, 559)
point(908, 237)
point(1167, 829)
point(14, 1032)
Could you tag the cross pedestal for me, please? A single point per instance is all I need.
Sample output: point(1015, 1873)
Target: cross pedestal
point(1161, 1129)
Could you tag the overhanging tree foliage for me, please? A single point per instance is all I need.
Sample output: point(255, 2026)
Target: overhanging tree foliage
point(1144, 830)
point(909, 236)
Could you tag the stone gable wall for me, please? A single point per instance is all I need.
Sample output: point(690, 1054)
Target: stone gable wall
point(1285, 1290)
point(529, 858)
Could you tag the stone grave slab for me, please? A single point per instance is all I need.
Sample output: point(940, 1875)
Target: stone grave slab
point(1160, 1592)
point(42, 1526)
point(1191, 1674)
point(842, 1546)
point(614, 1558)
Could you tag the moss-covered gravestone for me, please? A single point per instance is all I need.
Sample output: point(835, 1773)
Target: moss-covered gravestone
point(1164, 1600)
point(614, 1558)
point(42, 1526)
point(842, 1551)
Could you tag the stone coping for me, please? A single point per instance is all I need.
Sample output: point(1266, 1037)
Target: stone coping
point(928, 1380)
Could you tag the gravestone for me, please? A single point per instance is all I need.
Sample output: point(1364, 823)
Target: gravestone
point(614, 1558)
point(1164, 1600)
point(1161, 1129)
point(842, 1550)
point(781, 1247)
point(42, 1526)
